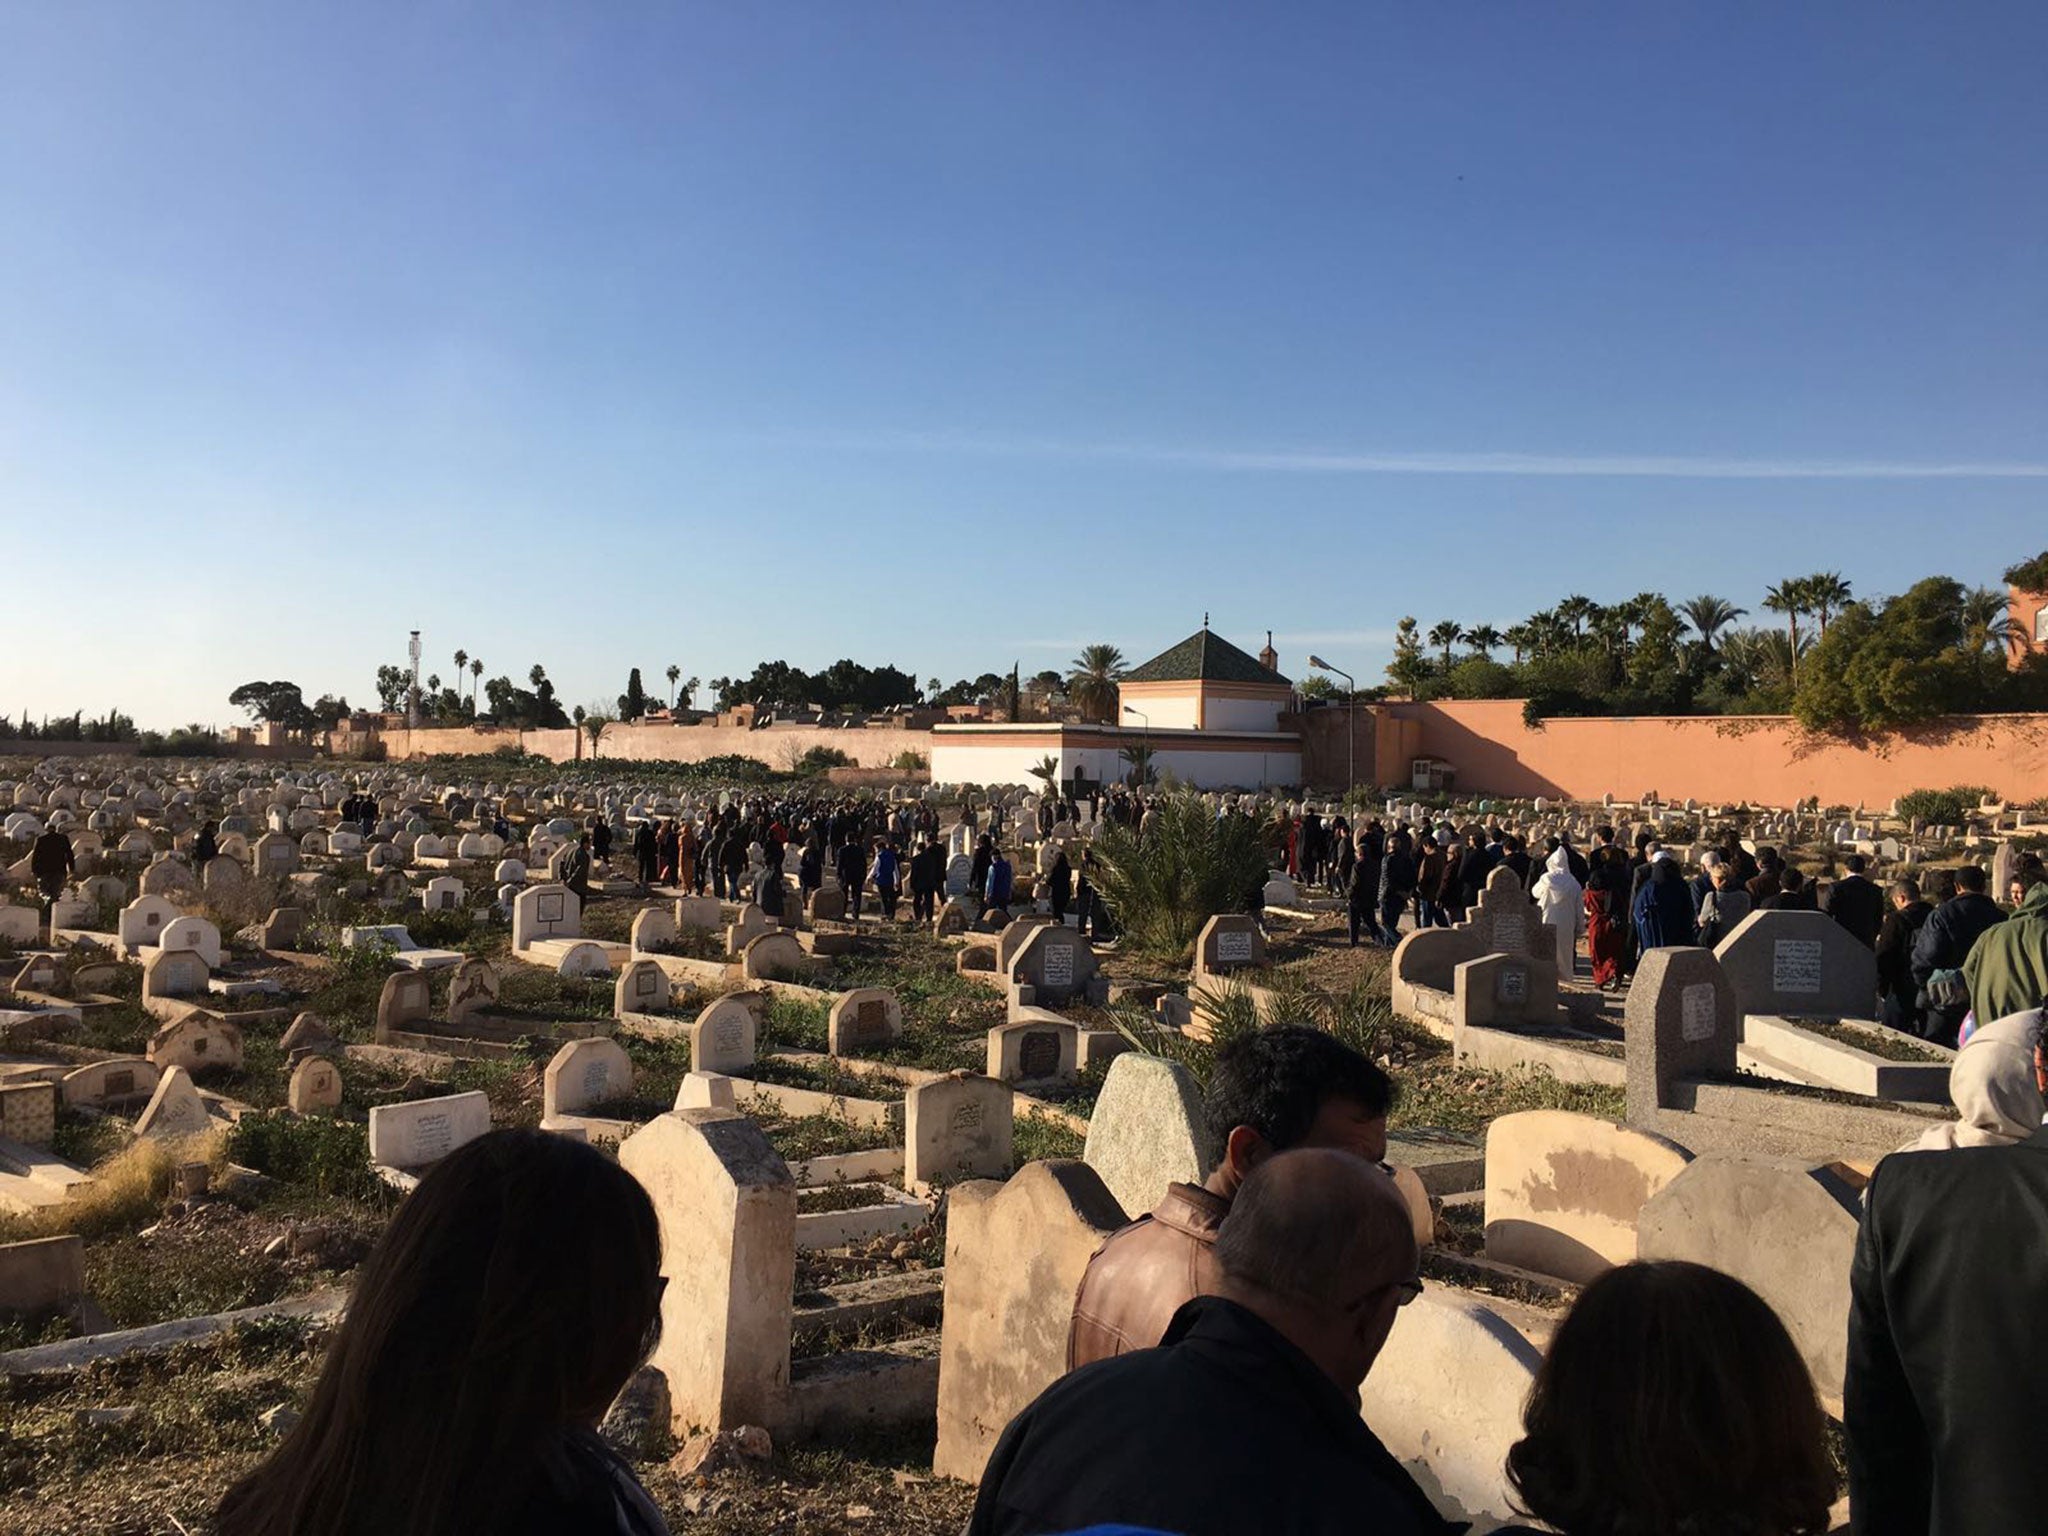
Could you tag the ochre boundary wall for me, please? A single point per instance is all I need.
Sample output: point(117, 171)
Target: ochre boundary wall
point(778, 747)
point(1764, 759)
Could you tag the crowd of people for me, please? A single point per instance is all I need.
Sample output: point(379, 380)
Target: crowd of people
point(1217, 1351)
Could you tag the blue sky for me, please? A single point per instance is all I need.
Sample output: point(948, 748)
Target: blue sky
point(953, 334)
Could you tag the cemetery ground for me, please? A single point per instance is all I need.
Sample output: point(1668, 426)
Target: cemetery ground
point(291, 1203)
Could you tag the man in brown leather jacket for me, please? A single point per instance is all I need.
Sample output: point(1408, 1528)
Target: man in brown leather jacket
point(1270, 1091)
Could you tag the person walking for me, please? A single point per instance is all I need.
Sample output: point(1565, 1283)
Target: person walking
point(1397, 885)
point(1562, 901)
point(852, 869)
point(1894, 946)
point(885, 875)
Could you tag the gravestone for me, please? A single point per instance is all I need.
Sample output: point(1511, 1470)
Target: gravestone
point(585, 1073)
point(722, 1039)
point(700, 913)
point(405, 1000)
point(274, 855)
point(727, 1207)
point(1036, 1050)
point(472, 989)
point(141, 922)
point(99, 1084)
point(1148, 1130)
point(1680, 1021)
point(584, 959)
point(958, 1127)
point(864, 1019)
point(315, 1086)
point(1504, 989)
point(1014, 1257)
point(545, 912)
point(1012, 937)
point(28, 1114)
point(642, 987)
point(1229, 941)
point(173, 973)
point(1785, 1227)
point(1056, 963)
point(283, 929)
point(195, 934)
point(1799, 965)
point(308, 1032)
point(951, 920)
point(221, 876)
point(653, 930)
point(43, 1274)
point(174, 1109)
point(705, 1090)
point(1563, 1191)
point(827, 904)
point(422, 1132)
point(197, 1042)
point(443, 894)
point(38, 974)
point(773, 956)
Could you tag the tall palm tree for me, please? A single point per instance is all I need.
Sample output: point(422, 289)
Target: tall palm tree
point(1709, 615)
point(1826, 595)
point(1047, 772)
point(476, 677)
point(1789, 598)
point(1522, 637)
point(1446, 634)
point(461, 661)
point(674, 672)
point(1484, 638)
point(1091, 683)
point(1577, 611)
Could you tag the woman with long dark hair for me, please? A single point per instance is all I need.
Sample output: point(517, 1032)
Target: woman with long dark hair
point(1673, 1402)
point(512, 1296)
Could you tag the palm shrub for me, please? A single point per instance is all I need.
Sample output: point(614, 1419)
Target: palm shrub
point(1190, 865)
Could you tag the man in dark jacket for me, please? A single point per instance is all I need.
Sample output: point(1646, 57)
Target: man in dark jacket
point(646, 848)
point(1397, 883)
point(51, 861)
point(852, 869)
point(1246, 1418)
point(1944, 943)
point(1857, 904)
point(1895, 954)
point(927, 879)
point(1944, 1355)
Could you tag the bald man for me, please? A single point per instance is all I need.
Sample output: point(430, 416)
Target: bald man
point(1246, 1417)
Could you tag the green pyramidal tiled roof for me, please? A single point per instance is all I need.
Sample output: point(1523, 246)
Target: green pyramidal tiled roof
point(1208, 658)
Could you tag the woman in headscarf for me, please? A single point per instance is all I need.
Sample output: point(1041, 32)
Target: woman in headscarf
point(1663, 913)
point(1563, 903)
point(1993, 1088)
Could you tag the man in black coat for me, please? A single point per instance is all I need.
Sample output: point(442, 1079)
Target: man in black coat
point(1246, 1417)
point(1856, 903)
point(1944, 944)
point(1945, 1354)
point(1902, 926)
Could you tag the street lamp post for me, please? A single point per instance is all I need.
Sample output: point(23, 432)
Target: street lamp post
point(1350, 722)
point(1146, 721)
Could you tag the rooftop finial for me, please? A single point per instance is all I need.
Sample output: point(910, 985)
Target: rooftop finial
point(1205, 618)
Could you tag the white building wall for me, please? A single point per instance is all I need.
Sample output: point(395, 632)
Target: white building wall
point(989, 762)
point(1243, 714)
point(1170, 712)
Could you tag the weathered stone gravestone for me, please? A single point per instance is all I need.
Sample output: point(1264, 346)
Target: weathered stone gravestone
point(99, 1084)
point(315, 1087)
point(1056, 963)
point(1563, 1191)
point(1229, 941)
point(727, 1207)
point(472, 989)
point(420, 1133)
point(166, 875)
point(584, 1073)
point(951, 920)
point(1498, 990)
point(545, 912)
point(1033, 1051)
point(1012, 937)
point(722, 1039)
point(443, 894)
point(863, 1020)
point(308, 1033)
point(1680, 1021)
point(221, 875)
point(140, 924)
point(959, 1127)
point(705, 1090)
point(38, 974)
point(1785, 1227)
point(749, 925)
point(1148, 1130)
point(773, 956)
point(405, 1000)
point(174, 1109)
point(196, 1042)
point(28, 1114)
point(584, 959)
point(1505, 921)
point(827, 904)
point(173, 973)
point(43, 1274)
point(700, 913)
point(642, 987)
point(275, 855)
point(195, 934)
point(653, 930)
point(1799, 964)
point(1014, 1257)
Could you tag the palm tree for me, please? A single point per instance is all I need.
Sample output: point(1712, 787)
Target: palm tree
point(1988, 623)
point(690, 687)
point(594, 727)
point(1577, 611)
point(1483, 638)
point(1826, 594)
point(1446, 634)
point(1048, 773)
point(1522, 637)
point(1091, 683)
point(674, 672)
point(1789, 598)
point(476, 677)
point(1139, 758)
point(461, 661)
point(1709, 615)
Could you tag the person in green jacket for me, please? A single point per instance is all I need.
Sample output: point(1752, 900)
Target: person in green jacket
point(2007, 970)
